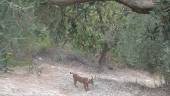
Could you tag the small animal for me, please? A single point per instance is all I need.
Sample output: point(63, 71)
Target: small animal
point(84, 80)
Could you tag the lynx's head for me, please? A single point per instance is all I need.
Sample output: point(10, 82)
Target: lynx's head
point(91, 80)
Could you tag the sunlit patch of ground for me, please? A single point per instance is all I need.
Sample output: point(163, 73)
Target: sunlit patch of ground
point(55, 80)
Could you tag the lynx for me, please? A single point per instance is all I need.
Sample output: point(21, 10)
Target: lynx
point(84, 80)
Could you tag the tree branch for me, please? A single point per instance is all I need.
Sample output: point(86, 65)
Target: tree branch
point(139, 6)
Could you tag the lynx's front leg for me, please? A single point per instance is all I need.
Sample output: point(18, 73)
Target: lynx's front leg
point(85, 86)
point(75, 82)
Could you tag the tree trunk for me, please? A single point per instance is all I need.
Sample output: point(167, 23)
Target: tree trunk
point(102, 59)
point(103, 53)
point(165, 22)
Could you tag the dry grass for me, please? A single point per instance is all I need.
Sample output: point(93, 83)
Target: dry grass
point(55, 80)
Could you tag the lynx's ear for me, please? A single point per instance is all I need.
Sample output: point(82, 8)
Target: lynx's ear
point(94, 77)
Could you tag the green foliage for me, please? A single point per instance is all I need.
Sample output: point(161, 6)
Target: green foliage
point(80, 24)
point(18, 30)
point(163, 13)
point(131, 38)
point(144, 40)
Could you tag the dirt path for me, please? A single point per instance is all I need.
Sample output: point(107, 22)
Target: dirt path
point(56, 81)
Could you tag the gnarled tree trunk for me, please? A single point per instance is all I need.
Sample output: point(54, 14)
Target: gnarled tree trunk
point(102, 59)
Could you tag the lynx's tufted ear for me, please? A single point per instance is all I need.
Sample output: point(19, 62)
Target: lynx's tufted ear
point(93, 77)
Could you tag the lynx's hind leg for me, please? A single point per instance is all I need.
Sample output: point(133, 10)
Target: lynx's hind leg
point(75, 82)
point(85, 87)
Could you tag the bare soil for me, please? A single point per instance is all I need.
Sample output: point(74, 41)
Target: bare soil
point(55, 80)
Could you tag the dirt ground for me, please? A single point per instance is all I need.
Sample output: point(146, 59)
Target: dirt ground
point(55, 80)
